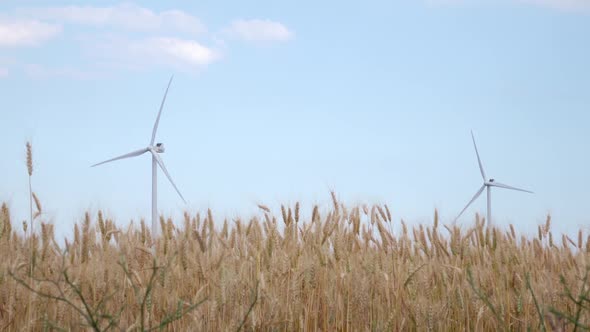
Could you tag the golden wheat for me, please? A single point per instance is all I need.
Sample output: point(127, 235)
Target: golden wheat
point(330, 273)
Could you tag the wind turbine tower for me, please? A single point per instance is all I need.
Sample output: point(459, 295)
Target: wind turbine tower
point(155, 151)
point(487, 185)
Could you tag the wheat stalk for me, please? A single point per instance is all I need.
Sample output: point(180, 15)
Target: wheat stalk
point(331, 273)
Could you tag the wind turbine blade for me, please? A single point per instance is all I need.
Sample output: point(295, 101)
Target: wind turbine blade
point(163, 167)
point(128, 155)
point(501, 185)
point(483, 174)
point(160, 112)
point(477, 194)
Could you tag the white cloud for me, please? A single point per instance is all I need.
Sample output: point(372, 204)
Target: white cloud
point(127, 37)
point(126, 16)
point(139, 54)
point(3, 72)
point(15, 33)
point(259, 30)
point(564, 5)
point(569, 5)
point(174, 51)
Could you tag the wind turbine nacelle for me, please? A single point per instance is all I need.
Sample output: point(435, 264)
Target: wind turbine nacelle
point(159, 148)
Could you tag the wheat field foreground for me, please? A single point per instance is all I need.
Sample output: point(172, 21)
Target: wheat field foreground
point(334, 272)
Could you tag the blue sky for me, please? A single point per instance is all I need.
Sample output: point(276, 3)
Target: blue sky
point(282, 102)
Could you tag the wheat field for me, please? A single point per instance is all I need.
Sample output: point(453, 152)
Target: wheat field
point(341, 269)
point(344, 269)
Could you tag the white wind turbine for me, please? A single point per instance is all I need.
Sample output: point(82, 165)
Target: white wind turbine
point(155, 150)
point(487, 184)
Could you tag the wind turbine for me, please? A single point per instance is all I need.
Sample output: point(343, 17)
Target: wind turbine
point(487, 184)
point(155, 150)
